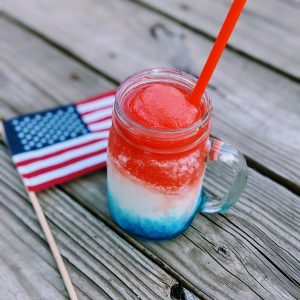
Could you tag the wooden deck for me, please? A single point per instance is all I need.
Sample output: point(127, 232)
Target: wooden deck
point(56, 53)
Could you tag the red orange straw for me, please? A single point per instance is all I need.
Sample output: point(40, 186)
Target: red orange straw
point(217, 50)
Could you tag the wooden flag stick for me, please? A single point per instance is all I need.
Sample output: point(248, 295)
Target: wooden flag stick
point(49, 236)
point(52, 244)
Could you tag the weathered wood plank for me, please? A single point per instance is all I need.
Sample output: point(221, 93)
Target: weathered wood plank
point(104, 264)
point(32, 73)
point(251, 103)
point(255, 246)
point(252, 247)
point(249, 254)
point(26, 270)
point(267, 30)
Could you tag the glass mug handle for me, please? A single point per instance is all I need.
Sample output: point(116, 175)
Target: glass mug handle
point(225, 153)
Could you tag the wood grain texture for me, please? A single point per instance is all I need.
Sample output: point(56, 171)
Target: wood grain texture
point(105, 266)
point(24, 261)
point(250, 102)
point(267, 30)
point(32, 74)
point(251, 252)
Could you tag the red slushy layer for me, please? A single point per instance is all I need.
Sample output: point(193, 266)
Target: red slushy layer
point(160, 106)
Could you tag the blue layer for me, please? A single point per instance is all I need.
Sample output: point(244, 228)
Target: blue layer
point(164, 228)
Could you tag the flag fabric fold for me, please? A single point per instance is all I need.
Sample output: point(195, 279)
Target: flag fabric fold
point(56, 145)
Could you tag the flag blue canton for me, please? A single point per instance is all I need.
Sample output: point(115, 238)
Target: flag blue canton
point(38, 130)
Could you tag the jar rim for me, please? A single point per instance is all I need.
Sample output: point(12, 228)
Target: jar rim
point(157, 73)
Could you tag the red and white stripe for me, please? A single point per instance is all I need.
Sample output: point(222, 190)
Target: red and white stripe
point(43, 168)
point(96, 113)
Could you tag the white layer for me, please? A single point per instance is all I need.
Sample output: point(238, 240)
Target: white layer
point(146, 202)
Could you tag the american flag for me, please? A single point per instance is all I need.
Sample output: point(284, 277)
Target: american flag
point(60, 144)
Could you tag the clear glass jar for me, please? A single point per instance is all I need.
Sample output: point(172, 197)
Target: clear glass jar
point(155, 176)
